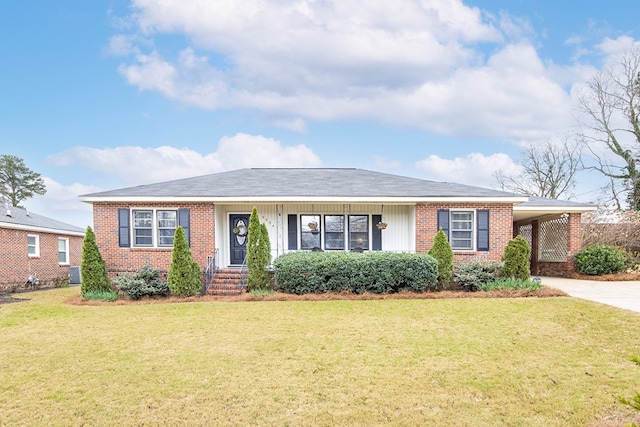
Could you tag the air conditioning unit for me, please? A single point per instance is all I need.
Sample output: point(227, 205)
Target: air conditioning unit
point(74, 276)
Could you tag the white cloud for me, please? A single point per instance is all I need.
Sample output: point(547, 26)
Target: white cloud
point(403, 62)
point(142, 165)
point(474, 169)
point(61, 203)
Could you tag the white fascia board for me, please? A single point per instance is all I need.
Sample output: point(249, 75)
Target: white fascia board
point(297, 199)
point(40, 229)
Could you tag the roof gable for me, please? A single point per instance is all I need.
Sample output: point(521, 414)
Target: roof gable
point(13, 217)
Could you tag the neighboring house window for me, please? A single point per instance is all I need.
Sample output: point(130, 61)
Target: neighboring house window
point(462, 230)
point(63, 250)
point(359, 232)
point(144, 224)
point(33, 245)
point(334, 232)
point(310, 231)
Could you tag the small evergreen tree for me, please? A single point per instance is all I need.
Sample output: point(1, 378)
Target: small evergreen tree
point(257, 260)
point(516, 259)
point(265, 244)
point(442, 252)
point(184, 272)
point(92, 266)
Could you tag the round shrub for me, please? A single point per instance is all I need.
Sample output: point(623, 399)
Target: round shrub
point(596, 260)
point(475, 274)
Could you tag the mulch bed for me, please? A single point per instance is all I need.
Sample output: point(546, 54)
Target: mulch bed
point(617, 277)
point(332, 296)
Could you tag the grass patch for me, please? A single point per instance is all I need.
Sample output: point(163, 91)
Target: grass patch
point(482, 362)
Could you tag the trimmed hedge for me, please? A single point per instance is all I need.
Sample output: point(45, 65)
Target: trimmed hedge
point(376, 272)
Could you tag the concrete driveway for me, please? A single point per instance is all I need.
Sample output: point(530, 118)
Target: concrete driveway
point(618, 294)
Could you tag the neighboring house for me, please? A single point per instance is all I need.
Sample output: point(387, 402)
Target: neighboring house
point(37, 246)
point(329, 210)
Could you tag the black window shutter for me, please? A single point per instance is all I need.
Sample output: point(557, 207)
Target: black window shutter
point(443, 221)
point(123, 228)
point(183, 221)
point(376, 234)
point(483, 230)
point(293, 232)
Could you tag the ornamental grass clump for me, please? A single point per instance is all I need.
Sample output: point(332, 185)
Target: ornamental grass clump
point(507, 283)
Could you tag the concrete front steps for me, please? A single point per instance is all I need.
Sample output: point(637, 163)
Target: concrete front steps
point(228, 281)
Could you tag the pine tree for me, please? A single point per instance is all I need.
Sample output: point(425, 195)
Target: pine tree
point(92, 266)
point(17, 181)
point(184, 272)
point(442, 252)
point(516, 259)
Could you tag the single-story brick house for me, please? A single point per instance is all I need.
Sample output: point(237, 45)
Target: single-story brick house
point(32, 244)
point(329, 210)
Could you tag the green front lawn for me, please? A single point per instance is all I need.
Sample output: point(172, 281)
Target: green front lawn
point(480, 362)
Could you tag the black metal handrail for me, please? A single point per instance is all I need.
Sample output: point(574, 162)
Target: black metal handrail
point(210, 271)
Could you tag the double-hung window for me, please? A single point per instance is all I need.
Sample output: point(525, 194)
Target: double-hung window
point(33, 245)
point(154, 228)
point(359, 232)
point(334, 232)
point(462, 230)
point(63, 250)
point(310, 231)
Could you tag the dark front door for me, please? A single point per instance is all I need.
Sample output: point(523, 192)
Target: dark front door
point(239, 224)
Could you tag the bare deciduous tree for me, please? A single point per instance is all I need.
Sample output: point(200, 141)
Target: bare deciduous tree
point(611, 131)
point(548, 170)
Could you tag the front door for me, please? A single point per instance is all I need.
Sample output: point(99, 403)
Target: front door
point(239, 229)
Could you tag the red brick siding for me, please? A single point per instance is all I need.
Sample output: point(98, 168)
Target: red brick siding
point(500, 228)
point(119, 260)
point(16, 265)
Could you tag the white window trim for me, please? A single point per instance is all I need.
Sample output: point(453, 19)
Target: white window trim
point(37, 246)
point(474, 230)
point(154, 227)
point(66, 246)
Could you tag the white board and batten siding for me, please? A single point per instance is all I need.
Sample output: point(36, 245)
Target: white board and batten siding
point(399, 236)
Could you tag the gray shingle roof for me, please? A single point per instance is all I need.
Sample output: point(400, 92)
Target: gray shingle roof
point(20, 218)
point(542, 202)
point(251, 183)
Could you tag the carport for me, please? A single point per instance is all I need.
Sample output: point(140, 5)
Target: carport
point(553, 228)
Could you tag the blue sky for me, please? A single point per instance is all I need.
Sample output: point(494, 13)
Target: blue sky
point(96, 95)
